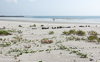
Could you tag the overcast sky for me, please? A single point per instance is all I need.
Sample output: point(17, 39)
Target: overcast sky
point(50, 7)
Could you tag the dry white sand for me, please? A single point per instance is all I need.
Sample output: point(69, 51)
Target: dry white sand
point(35, 35)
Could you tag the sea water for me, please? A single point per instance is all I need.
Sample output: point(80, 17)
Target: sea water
point(77, 19)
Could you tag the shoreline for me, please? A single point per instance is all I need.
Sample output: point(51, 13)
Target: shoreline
point(54, 22)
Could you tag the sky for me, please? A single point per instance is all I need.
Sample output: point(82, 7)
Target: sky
point(50, 7)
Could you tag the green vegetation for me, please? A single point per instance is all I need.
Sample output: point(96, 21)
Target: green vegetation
point(3, 32)
point(70, 38)
point(40, 61)
point(41, 50)
point(77, 39)
point(13, 30)
point(47, 50)
point(18, 37)
point(33, 51)
point(15, 56)
point(74, 51)
point(42, 25)
point(14, 41)
point(5, 44)
point(80, 33)
point(93, 33)
point(0, 52)
point(58, 42)
point(83, 38)
point(60, 53)
point(92, 38)
point(72, 31)
point(69, 32)
point(9, 52)
point(64, 32)
point(98, 40)
point(80, 54)
point(15, 50)
point(62, 47)
point(0, 39)
point(19, 26)
point(21, 53)
point(19, 31)
point(45, 40)
point(33, 25)
point(51, 32)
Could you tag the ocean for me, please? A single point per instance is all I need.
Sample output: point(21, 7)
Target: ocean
point(77, 19)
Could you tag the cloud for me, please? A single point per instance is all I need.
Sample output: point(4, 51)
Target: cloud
point(32, 0)
point(9, 1)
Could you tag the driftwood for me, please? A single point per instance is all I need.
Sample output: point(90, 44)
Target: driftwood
point(68, 27)
point(81, 26)
point(53, 27)
point(59, 27)
point(88, 25)
point(45, 27)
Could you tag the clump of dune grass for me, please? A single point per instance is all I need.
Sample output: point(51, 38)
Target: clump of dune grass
point(40, 61)
point(92, 33)
point(98, 40)
point(18, 37)
point(3, 32)
point(42, 25)
point(77, 39)
point(92, 38)
point(83, 38)
point(65, 32)
point(47, 41)
point(41, 50)
point(80, 33)
point(51, 32)
point(19, 25)
point(69, 32)
point(19, 31)
point(62, 47)
point(0, 39)
point(72, 31)
point(33, 25)
point(70, 38)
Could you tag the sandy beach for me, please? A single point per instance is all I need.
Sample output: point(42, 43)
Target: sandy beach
point(27, 42)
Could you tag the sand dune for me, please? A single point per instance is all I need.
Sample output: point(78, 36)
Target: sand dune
point(25, 42)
